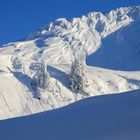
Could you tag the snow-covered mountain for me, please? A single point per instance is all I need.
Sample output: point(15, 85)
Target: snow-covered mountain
point(106, 117)
point(112, 45)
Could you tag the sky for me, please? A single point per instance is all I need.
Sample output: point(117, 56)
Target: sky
point(19, 18)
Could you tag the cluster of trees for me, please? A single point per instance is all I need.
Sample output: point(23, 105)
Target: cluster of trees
point(78, 77)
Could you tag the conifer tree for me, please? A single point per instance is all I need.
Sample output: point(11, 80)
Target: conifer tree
point(78, 77)
point(41, 80)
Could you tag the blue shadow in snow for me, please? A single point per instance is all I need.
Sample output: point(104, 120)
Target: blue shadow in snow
point(59, 75)
point(25, 80)
point(119, 50)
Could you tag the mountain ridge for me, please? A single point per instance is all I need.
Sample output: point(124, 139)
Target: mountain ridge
point(112, 46)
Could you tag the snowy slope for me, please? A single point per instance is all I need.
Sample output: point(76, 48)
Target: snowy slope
point(17, 97)
point(107, 117)
point(111, 41)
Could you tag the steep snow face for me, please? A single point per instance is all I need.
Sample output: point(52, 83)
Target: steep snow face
point(104, 36)
point(116, 32)
point(111, 41)
point(109, 117)
point(120, 50)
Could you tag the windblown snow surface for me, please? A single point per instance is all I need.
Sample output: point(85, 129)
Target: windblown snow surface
point(105, 117)
point(112, 44)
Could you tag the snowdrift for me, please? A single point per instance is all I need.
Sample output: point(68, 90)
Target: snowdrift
point(107, 117)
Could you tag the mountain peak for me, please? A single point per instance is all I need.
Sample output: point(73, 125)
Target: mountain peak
point(112, 45)
point(91, 20)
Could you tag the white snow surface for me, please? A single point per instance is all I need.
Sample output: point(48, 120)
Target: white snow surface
point(105, 117)
point(112, 44)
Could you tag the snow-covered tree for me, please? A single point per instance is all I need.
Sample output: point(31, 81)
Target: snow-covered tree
point(17, 64)
point(41, 80)
point(78, 77)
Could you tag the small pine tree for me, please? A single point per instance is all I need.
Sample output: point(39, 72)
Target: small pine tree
point(78, 77)
point(17, 64)
point(41, 80)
